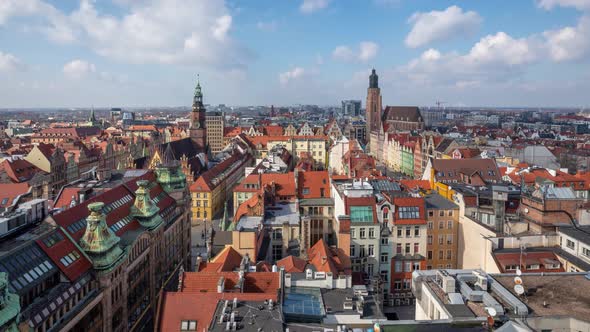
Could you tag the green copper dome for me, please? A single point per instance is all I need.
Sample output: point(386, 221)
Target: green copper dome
point(144, 209)
point(99, 241)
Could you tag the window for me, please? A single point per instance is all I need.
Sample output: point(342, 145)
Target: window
point(69, 258)
point(277, 252)
point(370, 269)
point(305, 191)
point(352, 250)
point(449, 238)
point(188, 325)
point(384, 258)
point(384, 241)
point(429, 254)
point(416, 247)
point(441, 225)
point(407, 283)
point(384, 275)
point(408, 231)
point(399, 232)
point(362, 233)
point(450, 213)
point(449, 266)
point(416, 231)
point(398, 248)
point(532, 266)
point(409, 212)
point(407, 266)
point(510, 267)
point(430, 225)
point(416, 266)
point(277, 234)
point(431, 213)
point(449, 254)
point(407, 248)
point(586, 252)
point(450, 224)
point(441, 239)
point(397, 285)
point(371, 250)
point(361, 214)
point(441, 254)
point(429, 239)
point(362, 251)
point(371, 233)
point(398, 266)
point(570, 244)
point(441, 213)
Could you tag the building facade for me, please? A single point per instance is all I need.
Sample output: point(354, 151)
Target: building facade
point(214, 122)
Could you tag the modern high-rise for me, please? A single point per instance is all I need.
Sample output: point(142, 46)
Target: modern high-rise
point(351, 107)
point(214, 123)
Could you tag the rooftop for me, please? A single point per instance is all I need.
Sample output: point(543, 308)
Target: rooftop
point(437, 202)
point(282, 213)
point(565, 294)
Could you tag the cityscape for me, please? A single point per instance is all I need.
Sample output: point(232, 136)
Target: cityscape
point(396, 201)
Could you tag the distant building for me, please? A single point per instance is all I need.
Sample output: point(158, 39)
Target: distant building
point(214, 122)
point(351, 107)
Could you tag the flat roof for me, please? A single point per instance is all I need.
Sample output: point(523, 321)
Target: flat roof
point(436, 201)
point(282, 213)
point(565, 294)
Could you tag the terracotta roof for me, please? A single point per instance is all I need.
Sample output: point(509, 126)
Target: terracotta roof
point(46, 149)
point(312, 183)
point(272, 130)
point(326, 259)
point(413, 184)
point(205, 182)
point(254, 282)
point(245, 207)
point(10, 191)
point(19, 170)
point(402, 113)
point(284, 183)
point(142, 128)
point(409, 202)
point(452, 169)
point(292, 264)
point(542, 258)
point(226, 261)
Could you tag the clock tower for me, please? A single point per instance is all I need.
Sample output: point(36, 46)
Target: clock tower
point(198, 132)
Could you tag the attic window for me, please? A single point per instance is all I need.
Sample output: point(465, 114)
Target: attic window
point(305, 191)
point(188, 325)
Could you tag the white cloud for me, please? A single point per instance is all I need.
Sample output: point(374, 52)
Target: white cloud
point(310, 6)
point(291, 75)
point(493, 58)
point(77, 69)
point(9, 62)
point(367, 50)
point(440, 25)
point(267, 26)
point(569, 43)
point(156, 31)
point(550, 4)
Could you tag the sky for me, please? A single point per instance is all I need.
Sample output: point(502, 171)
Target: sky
point(133, 53)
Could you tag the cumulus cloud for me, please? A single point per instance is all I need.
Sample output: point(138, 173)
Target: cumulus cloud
point(440, 25)
point(157, 31)
point(569, 43)
point(550, 4)
point(310, 6)
point(9, 62)
point(291, 75)
point(77, 69)
point(366, 51)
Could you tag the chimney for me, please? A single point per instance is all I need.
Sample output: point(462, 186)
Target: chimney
point(296, 176)
point(220, 285)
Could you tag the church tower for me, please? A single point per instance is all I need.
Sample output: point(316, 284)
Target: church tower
point(373, 106)
point(198, 132)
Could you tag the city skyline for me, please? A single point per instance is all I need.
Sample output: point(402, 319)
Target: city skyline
point(148, 53)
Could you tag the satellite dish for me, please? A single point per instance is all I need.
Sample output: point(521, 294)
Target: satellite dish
point(518, 280)
point(518, 272)
point(491, 311)
point(519, 289)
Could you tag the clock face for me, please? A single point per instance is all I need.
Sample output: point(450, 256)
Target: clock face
point(197, 125)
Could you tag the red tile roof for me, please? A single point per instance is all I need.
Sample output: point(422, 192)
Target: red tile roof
point(10, 191)
point(226, 261)
point(19, 170)
point(254, 282)
point(410, 202)
point(326, 259)
point(292, 264)
point(312, 183)
point(542, 258)
point(413, 184)
point(62, 248)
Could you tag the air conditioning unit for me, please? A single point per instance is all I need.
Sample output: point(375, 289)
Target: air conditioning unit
point(348, 305)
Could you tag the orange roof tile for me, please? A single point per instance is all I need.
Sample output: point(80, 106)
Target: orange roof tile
point(292, 264)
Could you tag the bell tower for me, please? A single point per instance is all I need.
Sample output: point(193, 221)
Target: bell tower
point(198, 132)
point(373, 106)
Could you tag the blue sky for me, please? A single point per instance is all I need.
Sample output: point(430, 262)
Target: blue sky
point(79, 53)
